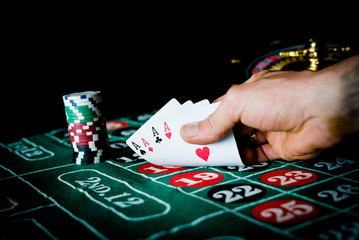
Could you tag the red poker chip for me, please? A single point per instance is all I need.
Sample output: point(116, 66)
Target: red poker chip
point(84, 139)
point(85, 133)
point(78, 125)
point(95, 144)
point(78, 139)
point(86, 124)
point(86, 128)
point(85, 143)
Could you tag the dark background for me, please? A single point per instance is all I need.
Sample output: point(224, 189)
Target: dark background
point(139, 60)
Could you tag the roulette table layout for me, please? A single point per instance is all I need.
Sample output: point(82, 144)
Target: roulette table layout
point(47, 196)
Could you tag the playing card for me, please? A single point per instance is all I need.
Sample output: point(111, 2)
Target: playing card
point(180, 153)
point(148, 135)
point(159, 140)
point(146, 139)
point(166, 128)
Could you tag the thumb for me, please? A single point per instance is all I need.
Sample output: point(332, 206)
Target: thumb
point(211, 129)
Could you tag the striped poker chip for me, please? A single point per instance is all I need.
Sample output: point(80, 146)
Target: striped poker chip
point(88, 158)
point(82, 95)
point(86, 127)
point(83, 132)
point(83, 120)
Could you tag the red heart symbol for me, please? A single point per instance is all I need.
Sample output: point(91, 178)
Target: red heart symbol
point(203, 153)
point(168, 135)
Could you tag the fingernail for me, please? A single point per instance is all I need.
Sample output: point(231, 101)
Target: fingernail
point(190, 130)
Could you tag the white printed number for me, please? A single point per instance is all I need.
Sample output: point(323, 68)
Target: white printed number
point(127, 203)
point(204, 176)
point(94, 184)
point(237, 193)
point(342, 192)
point(287, 211)
point(290, 177)
point(348, 230)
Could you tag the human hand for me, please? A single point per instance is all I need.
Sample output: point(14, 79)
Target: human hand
point(296, 114)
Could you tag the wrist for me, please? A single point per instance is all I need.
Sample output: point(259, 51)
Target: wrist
point(343, 79)
point(350, 91)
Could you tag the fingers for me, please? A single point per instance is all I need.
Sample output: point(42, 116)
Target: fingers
point(253, 156)
point(247, 106)
point(209, 130)
point(269, 152)
point(213, 127)
point(252, 152)
point(264, 151)
point(227, 115)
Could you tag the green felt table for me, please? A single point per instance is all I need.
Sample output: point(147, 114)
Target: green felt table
point(43, 194)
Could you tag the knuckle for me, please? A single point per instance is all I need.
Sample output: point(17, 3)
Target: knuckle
point(231, 95)
point(232, 99)
point(258, 75)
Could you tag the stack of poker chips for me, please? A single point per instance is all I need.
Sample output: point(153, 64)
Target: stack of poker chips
point(87, 127)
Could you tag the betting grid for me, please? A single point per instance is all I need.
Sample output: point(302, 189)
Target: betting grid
point(127, 158)
point(293, 231)
point(310, 171)
point(243, 210)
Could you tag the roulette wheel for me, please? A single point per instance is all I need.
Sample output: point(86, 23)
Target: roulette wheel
point(313, 55)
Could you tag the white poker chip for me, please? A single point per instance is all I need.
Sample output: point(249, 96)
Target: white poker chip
point(81, 95)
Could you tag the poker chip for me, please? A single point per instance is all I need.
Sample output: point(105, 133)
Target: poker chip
point(86, 127)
